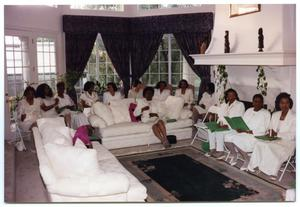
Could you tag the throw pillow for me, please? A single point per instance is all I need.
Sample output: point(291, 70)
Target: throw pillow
point(104, 112)
point(59, 135)
point(174, 106)
point(185, 114)
point(96, 121)
point(50, 123)
point(69, 161)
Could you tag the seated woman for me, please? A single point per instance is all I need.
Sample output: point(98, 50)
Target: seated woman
point(149, 111)
point(268, 156)
point(186, 93)
point(48, 102)
point(231, 108)
point(89, 96)
point(28, 110)
point(208, 99)
point(112, 93)
point(162, 91)
point(257, 119)
point(137, 90)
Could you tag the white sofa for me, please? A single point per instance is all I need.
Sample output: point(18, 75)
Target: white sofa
point(116, 130)
point(77, 174)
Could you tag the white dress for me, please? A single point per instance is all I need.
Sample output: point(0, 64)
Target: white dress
point(207, 100)
point(133, 94)
point(268, 156)
point(107, 97)
point(65, 101)
point(188, 96)
point(89, 99)
point(50, 113)
point(33, 112)
point(155, 107)
point(216, 139)
point(161, 96)
point(258, 122)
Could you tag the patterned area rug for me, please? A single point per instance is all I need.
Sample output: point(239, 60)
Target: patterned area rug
point(189, 180)
point(185, 174)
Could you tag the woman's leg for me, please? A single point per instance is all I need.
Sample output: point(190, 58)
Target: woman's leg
point(245, 157)
point(157, 132)
point(67, 118)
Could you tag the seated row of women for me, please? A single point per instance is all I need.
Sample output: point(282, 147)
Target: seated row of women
point(267, 156)
point(161, 92)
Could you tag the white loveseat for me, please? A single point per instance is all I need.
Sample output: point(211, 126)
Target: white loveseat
point(117, 131)
point(77, 174)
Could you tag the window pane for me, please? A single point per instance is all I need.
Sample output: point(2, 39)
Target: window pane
point(145, 78)
point(102, 56)
point(163, 55)
point(175, 79)
point(176, 67)
point(176, 55)
point(102, 69)
point(164, 67)
point(52, 59)
point(174, 44)
point(164, 77)
point(154, 78)
point(110, 69)
point(154, 68)
point(110, 78)
point(46, 59)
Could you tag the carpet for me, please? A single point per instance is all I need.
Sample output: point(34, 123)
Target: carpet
point(189, 180)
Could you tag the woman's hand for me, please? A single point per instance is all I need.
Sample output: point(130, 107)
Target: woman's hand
point(23, 117)
point(145, 108)
point(272, 133)
point(185, 104)
point(224, 126)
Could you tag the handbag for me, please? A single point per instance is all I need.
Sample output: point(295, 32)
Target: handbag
point(172, 139)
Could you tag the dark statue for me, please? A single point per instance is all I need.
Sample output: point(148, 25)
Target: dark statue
point(260, 40)
point(227, 44)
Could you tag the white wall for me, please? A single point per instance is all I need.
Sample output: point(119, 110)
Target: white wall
point(278, 23)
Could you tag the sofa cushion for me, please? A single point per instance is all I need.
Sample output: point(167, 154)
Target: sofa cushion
point(174, 106)
point(96, 121)
point(179, 124)
point(104, 112)
point(57, 135)
point(120, 110)
point(125, 128)
point(69, 161)
point(50, 122)
point(185, 114)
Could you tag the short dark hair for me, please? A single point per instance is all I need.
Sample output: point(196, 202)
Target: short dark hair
point(258, 96)
point(60, 84)
point(136, 82)
point(233, 91)
point(113, 85)
point(280, 96)
point(28, 89)
point(40, 91)
point(161, 82)
point(211, 87)
point(181, 81)
point(148, 88)
point(88, 85)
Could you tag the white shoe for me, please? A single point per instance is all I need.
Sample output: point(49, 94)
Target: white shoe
point(233, 161)
point(251, 170)
point(221, 157)
point(244, 168)
point(207, 154)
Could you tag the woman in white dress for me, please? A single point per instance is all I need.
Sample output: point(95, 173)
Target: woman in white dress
point(89, 96)
point(48, 102)
point(137, 90)
point(231, 108)
point(208, 99)
point(112, 94)
point(150, 112)
point(162, 91)
point(186, 93)
point(257, 119)
point(268, 156)
point(28, 110)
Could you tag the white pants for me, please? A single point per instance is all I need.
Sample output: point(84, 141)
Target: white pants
point(216, 139)
point(244, 141)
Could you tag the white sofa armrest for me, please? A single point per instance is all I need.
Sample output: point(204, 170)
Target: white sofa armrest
point(96, 121)
point(100, 185)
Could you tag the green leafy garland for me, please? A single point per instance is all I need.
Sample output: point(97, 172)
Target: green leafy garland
point(262, 84)
point(221, 80)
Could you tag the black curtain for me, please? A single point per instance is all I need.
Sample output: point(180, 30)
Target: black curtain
point(143, 50)
point(78, 50)
point(189, 43)
point(118, 49)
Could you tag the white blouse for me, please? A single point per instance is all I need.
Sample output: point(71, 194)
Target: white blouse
point(257, 121)
point(208, 100)
point(155, 107)
point(52, 112)
point(65, 101)
point(188, 96)
point(88, 98)
point(107, 97)
point(133, 94)
point(235, 109)
point(33, 112)
point(161, 96)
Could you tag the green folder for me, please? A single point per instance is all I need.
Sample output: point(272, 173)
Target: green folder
point(237, 123)
point(214, 127)
point(267, 138)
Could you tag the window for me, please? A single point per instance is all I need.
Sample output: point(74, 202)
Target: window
point(169, 65)
point(164, 6)
point(17, 64)
point(46, 61)
point(108, 7)
point(99, 67)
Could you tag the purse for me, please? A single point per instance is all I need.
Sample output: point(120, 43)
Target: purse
point(172, 139)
